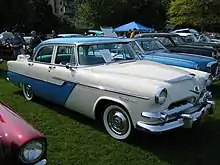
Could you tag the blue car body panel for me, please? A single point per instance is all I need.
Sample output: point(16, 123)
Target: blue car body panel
point(51, 92)
point(179, 59)
point(171, 61)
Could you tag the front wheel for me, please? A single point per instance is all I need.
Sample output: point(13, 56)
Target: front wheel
point(117, 122)
point(28, 92)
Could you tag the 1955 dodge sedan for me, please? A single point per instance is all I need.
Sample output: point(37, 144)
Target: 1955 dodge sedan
point(20, 143)
point(101, 78)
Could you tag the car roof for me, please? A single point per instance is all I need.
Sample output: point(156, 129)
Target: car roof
point(67, 35)
point(157, 34)
point(83, 40)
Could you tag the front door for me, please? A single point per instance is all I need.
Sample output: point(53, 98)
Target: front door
point(60, 78)
point(38, 72)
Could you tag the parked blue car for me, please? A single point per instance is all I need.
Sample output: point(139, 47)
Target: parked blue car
point(153, 50)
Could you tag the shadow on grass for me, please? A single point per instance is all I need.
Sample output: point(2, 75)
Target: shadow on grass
point(215, 89)
point(2, 73)
point(197, 146)
point(65, 112)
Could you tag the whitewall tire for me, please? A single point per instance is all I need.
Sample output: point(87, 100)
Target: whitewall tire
point(28, 92)
point(117, 122)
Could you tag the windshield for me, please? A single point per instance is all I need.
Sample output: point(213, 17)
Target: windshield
point(190, 38)
point(165, 41)
point(105, 53)
point(151, 45)
point(204, 38)
point(178, 40)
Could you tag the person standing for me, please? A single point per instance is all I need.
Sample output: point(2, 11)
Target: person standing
point(42, 36)
point(133, 33)
point(17, 44)
point(54, 34)
point(35, 40)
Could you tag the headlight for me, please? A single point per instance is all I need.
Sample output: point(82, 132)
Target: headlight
point(161, 96)
point(208, 80)
point(32, 151)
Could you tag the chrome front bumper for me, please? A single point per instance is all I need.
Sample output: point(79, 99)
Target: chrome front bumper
point(183, 116)
point(42, 162)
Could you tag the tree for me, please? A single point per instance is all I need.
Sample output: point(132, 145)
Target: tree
point(114, 13)
point(199, 13)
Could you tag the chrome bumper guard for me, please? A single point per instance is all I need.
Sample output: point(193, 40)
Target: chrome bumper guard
point(183, 116)
point(42, 162)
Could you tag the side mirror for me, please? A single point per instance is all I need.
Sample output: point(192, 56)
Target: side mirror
point(69, 66)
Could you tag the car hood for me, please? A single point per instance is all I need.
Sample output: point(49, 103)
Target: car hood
point(184, 56)
point(14, 129)
point(200, 47)
point(142, 69)
point(215, 45)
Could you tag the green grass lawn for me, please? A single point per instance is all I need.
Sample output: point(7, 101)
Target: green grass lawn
point(74, 139)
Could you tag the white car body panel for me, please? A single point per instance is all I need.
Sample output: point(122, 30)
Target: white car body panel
point(132, 84)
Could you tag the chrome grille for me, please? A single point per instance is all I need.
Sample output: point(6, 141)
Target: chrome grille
point(182, 102)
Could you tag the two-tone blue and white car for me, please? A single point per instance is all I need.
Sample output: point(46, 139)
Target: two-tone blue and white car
point(153, 50)
point(103, 79)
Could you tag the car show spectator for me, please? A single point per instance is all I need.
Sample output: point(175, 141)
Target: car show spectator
point(128, 33)
point(133, 33)
point(35, 40)
point(42, 36)
point(54, 34)
point(17, 43)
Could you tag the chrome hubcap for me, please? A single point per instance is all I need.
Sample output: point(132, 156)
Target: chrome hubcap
point(28, 91)
point(118, 122)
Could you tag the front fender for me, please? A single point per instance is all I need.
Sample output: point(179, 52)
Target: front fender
point(117, 100)
point(172, 61)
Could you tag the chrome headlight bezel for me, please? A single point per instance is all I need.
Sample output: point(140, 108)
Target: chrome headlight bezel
point(36, 145)
point(161, 96)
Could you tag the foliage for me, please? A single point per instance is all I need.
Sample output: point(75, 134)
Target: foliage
point(85, 15)
point(194, 12)
point(27, 14)
point(114, 13)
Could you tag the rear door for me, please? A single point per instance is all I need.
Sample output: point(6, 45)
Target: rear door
point(60, 78)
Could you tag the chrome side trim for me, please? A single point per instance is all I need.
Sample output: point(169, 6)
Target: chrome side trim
point(182, 78)
point(115, 91)
point(61, 79)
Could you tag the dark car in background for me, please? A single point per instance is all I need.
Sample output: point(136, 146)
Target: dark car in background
point(6, 52)
point(175, 43)
point(20, 142)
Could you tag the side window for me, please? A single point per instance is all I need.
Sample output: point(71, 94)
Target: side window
point(64, 55)
point(165, 41)
point(44, 55)
point(136, 48)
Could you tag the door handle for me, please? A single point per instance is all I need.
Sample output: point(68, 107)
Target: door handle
point(52, 67)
